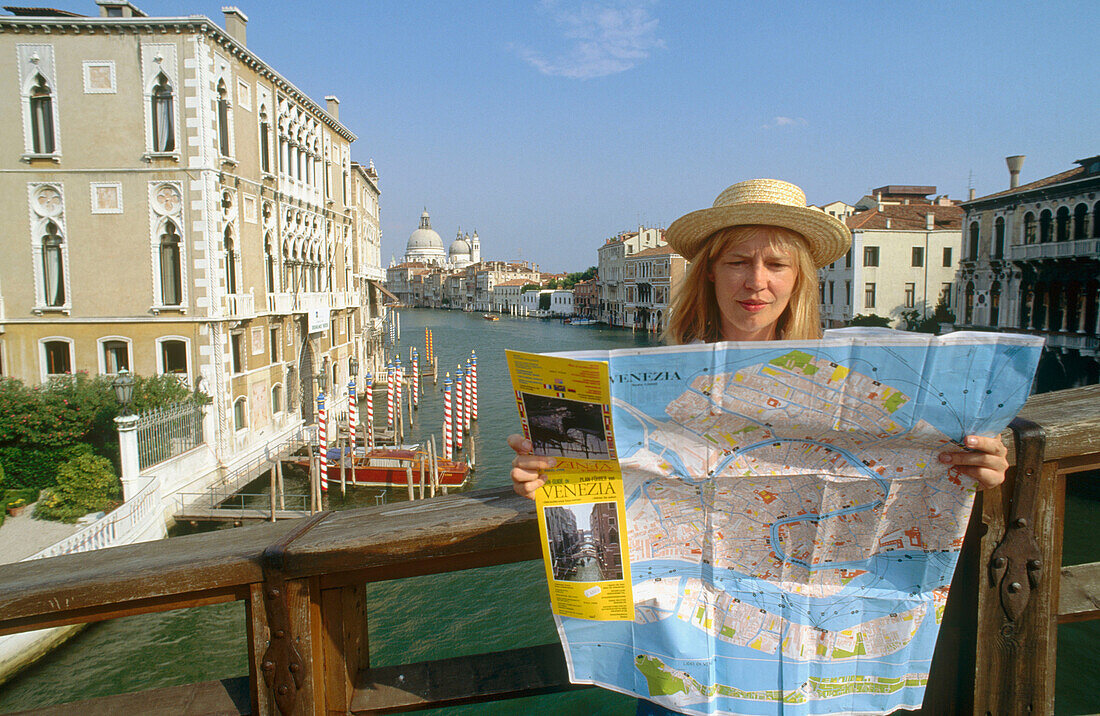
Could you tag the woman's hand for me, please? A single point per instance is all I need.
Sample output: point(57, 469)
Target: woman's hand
point(985, 461)
point(527, 475)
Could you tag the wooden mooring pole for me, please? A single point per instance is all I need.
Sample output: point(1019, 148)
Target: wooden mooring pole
point(279, 486)
point(274, 488)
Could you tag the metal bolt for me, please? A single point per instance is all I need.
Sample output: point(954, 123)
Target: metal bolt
point(1034, 564)
point(272, 593)
point(279, 633)
point(269, 665)
point(1000, 562)
point(1015, 587)
point(1029, 471)
point(283, 689)
point(1020, 522)
point(295, 668)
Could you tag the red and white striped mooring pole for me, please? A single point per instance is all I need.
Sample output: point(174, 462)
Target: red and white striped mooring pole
point(460, 383)
point(322, 441)
point(370, 412)
point(448, 449)
point(389, 395)
point(473, 377)
point(416, 379)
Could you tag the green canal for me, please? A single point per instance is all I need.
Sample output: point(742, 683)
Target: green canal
point(443, 615)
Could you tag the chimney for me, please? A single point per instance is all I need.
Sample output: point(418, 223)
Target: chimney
point(971, 196)
point(929, 221)
point(887, 222)
point(332, 104)
point(235, 22)
point(118, 8)
point(1015, 163)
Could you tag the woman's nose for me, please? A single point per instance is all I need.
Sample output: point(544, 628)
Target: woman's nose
point(757, 277)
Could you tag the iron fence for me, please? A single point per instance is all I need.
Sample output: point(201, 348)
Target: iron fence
point(163, 433)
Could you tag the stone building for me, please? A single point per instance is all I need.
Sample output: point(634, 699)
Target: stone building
point(1031, 263)
point(904, 254)
point(611, 270)
point(586, 298)
point(650, 277)
point(175, 205)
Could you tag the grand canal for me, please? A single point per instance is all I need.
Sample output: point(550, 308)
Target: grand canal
point(443, 615)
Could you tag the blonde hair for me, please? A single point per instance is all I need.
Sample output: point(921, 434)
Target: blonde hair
point(694, 311)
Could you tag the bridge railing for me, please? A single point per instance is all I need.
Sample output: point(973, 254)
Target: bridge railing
point(303, 586)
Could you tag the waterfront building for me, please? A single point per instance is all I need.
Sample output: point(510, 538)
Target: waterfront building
point(1031, 263)
point(611, 270)
point(175, 205)
point(426, 247)
point(586, 297)
point(650, 276)
point(485, 276)
point(904, 255)
point(561, 303)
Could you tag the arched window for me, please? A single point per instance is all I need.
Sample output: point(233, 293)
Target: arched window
point(57, 357)
point(995, 303)
point(973, 241)
point(240, 414)
point(269, 264)
point(265, 140)
point(1080, 222)
point(223, 119)
point(230, 262)
point(53, 266)
point(41, 100)
point(164, 134)
point(1096, 220)
point(116, 356)
point(1045, 228)
point(173, 357)
point(999, 238)
point(171, 270)
point(969, 305)
point(276, 399)
point(1029, 228)
point(1062, 224)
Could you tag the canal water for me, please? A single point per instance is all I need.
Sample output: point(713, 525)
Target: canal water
point(442, 615)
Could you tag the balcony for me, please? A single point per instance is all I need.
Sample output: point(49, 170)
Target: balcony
point(1081, 248)
point(239, 306)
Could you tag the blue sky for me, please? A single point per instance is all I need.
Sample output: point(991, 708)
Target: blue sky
point(551, 125)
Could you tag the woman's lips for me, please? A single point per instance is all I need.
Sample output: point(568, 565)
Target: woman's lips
point(752, 306)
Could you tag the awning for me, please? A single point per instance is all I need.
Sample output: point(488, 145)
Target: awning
point(393, 299)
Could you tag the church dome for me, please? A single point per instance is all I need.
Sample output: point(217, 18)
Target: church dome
point(424, 243)
point(460, 247)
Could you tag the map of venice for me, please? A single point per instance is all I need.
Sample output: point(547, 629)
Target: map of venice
point(791, 533)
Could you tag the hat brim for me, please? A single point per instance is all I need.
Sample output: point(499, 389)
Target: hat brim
point(826, 237)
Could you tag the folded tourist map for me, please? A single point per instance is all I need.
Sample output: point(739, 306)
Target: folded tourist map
point(762, 528)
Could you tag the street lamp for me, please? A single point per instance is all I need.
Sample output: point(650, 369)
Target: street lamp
point(124, 389)
point(322, 378)
point(353, 366)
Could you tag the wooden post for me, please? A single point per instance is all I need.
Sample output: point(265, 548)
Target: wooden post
point(434, 477)
point(421, 480)
point(303, 607)
point(473, 459)
point(344, 644)
point(343, 460)
point(279, 483)
point(312, 481)
point(271, 476)
point(409, 481)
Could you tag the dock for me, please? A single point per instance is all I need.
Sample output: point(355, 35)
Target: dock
point(197, 513)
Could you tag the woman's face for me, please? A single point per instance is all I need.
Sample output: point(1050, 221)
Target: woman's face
point(753, 282)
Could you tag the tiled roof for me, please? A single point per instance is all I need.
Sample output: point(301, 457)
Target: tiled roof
point(1039, 184)
point(907, 216)
point(655, 251)
point(514, 282)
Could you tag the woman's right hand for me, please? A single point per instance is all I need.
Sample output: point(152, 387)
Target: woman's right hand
point(527, 469)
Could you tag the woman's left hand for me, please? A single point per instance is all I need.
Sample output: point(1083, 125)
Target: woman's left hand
point(985, 461)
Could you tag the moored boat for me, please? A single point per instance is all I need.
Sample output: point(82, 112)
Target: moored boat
point(490, 317)
point(388, 467)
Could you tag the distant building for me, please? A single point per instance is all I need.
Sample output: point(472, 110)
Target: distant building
point(611, 270)
point(1031, 263)
point(586, 298)
point(650, 278)
point(604, 523)
point(904, 254)
point(507, 296)
point(561, 302)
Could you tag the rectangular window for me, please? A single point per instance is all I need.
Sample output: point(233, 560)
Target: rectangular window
point(57, 358)
point(870, 256)
point(869, 296)
point(945, 294)
point(918, 256)
point(274, 345)
point(821, 289)
point(832, 295)
point(910, 295)
point(238, 353)
point(116, 356)
point(173, 356)
point(946, 255)
point(847, 293)
point(848, 259)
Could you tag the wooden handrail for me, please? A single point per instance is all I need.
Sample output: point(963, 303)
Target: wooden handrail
point(326, 567)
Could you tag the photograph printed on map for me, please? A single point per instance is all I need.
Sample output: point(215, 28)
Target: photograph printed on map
point(567, 428)
point(584, 542)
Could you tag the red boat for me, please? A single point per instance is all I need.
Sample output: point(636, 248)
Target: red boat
point(387, 467)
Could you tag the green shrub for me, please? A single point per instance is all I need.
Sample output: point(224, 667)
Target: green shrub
point(2, 476)
point(85, 483)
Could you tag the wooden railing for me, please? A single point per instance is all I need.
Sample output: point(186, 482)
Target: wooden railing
point(302, 583)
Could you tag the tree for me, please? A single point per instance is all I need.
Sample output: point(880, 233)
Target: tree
point(85, 483)
point(932, 323)
point(869, 320)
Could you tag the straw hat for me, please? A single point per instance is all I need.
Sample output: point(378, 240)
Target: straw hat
point(762, 201)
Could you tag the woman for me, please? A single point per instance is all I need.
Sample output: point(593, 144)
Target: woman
point(754, 258)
